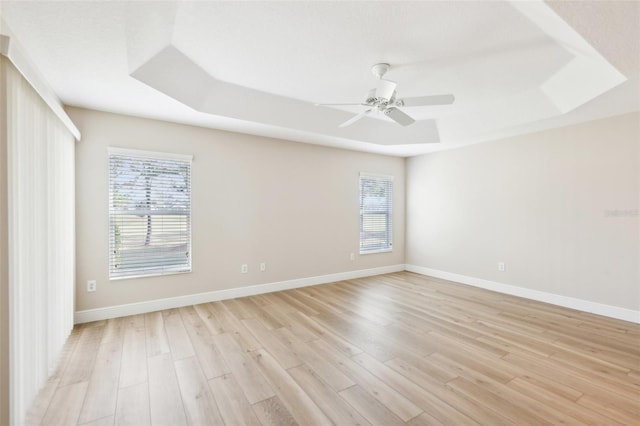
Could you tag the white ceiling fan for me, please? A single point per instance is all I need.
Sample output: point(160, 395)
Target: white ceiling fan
point(383, 99)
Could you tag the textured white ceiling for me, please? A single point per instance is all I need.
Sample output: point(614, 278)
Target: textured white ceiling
point(258, 67)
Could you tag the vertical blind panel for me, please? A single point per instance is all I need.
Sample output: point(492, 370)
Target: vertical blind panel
point(41, 255)
point(376, 201)
point(149, 215)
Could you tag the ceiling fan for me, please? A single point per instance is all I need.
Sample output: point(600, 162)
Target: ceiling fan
point(383, 99)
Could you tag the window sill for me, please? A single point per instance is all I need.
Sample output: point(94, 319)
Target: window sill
point(377, 251)
point(149, 275)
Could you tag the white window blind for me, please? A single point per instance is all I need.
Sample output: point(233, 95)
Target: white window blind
point(149, 213)
point(376, 213)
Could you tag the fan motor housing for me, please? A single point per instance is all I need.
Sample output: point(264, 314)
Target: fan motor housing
point(379, 70)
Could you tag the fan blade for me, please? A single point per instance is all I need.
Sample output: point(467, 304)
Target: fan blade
point(398, 116)
point(385, 89)
point(360, 104)
point(355, 118)
point(428, 100)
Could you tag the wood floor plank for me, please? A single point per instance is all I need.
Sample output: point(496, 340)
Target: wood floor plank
point(329, 373)
point(550, 386)
point(284, 355)
point(496, 403)
point(104, 421)
point(520, 402)
point(39, 407)
point(470, 368)
point(365, 336)
point(392, 399)
point(66, 405)
point(83, 357)
point(592, 365)
point(300, 325)
point(165, 400)
point(375, 412)
point(278, 311)
point(179, 341)
point(424, 419)
point(428, 402)
point(234, 327)
point(575, 378)
point(414, 366)
point(599, 351)
point(326, 398)
point(209, 318)
point(269, 321)
point(199, 405)
point(113, 330)
point(133, 406)
point(291, 300)
point(363, 308)
point(156, 337)
point(208, 355)
point(623, 413)
point(272, 412)
point(102, 391)
point(133, 368)
point(298, 403)
point(330, 337)
point(233, 405)
point(239, 309)
point(254, 385)
point(569, 407)
point(67, 353)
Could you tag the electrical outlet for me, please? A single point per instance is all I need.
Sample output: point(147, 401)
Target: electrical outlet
point(352, 256)
point(244, 268)
point(501, 266)
point(91, 285)
point(263, 266)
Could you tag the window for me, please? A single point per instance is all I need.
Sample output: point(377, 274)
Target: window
point(149, 213)
point(376, 201)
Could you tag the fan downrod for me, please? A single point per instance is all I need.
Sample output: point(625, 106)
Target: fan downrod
point(379, 70)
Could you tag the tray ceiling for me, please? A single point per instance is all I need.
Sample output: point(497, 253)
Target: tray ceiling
point(259, 67)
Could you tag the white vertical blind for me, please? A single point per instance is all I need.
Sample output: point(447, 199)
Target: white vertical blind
point(376, 213)
point(149, 213)
point(41, 237)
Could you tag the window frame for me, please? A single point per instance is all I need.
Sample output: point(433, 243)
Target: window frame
point(149, 155)
point(389, 228)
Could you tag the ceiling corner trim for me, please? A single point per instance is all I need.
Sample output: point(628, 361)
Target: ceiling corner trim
point(12, 50)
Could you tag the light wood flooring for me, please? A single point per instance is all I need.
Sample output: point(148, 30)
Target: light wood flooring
point(396, 349)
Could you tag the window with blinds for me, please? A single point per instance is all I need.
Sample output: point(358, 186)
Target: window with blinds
point(376, 213)
point(149, 213)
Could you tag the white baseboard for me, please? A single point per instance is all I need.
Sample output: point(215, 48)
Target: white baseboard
point(230, 293)
point(541, 296)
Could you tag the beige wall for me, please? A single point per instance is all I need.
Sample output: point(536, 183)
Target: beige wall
point(291, 205)
point(540, 203)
